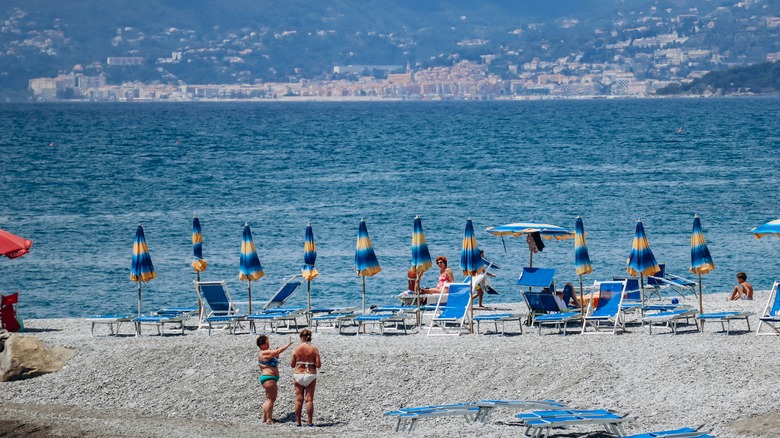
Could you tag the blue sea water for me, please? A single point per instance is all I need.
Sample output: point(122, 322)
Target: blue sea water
point(78, 178)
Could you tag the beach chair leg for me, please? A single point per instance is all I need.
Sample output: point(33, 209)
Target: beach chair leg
point(747, 321)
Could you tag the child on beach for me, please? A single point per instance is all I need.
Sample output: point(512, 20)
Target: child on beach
point(743, 290)
point(268, 360)
point(305, 362)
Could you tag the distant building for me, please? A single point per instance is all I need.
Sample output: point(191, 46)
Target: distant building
point(124, 60)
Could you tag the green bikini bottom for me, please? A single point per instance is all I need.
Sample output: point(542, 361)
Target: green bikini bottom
point(264, 379)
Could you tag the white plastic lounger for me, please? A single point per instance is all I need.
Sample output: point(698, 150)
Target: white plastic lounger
point(542, 422)
point(503, 318)
point(110, 319)
point(560, 320)
point(725, 318)
point(685, 432)
point(159, 321)
point(669, 319)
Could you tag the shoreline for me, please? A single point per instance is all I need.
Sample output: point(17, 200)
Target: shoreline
point(199, 385)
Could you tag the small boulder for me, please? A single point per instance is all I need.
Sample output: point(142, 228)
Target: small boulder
point(25, 357)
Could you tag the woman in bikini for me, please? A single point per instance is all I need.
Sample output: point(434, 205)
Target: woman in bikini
point(305, 362)
point(269, 374)
point(445, 276)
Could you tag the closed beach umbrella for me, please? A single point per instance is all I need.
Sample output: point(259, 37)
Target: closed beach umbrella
point(366, 264)
point(198, 262)
point(13, 246)
point(641, 262)
point(309, 272)
point(545, 231)
point(142, 269)
point(421, 257)
point(250, 267)
point(768, 229)
point(701, 261)
point(582, 264)
point(471, 263)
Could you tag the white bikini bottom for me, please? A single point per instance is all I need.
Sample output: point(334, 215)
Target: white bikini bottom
point(304, 379)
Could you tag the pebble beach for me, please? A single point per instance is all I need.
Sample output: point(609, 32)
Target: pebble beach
point(196, 385)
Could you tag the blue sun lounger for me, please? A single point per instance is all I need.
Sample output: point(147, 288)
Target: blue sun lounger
point(542, 422)
point(685, 432)
point(223, 311)
point(389, 317)
point(670, 319)
point(495, 318)
point(454, 312)
point(177, 320)
point(607, 312)
point(725, 318)
point(110, 319)
point(771, 314)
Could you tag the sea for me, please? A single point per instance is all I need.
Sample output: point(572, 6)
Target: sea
point(78, 178)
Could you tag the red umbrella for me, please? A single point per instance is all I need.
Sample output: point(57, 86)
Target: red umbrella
point(13, 246)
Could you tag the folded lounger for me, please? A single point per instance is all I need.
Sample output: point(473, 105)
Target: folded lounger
point(110, 319)
point(336, 319)
point(503, 318)
point(771, 314)
point(221, 311)
point(275, 317)
point(685, 432)
point(454, 313)
point(725, 318)
point(542, 422)
point(605, 312)
point(397, 319)
point(669, 319)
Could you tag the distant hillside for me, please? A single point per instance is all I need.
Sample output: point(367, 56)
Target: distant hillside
point(761, 78)
point(248, 41)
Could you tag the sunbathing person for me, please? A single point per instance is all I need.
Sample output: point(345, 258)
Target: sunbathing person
point(305, 362)
point(269, 374)
point(445, 276)
point(743, 290)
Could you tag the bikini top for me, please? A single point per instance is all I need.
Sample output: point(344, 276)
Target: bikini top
point(272, 362)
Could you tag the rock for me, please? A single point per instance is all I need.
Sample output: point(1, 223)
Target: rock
point(25, 357)
point(4, 335)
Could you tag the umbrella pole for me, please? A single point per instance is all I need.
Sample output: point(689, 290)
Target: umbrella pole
point(701, 305)
point(642, 292)
point(308, 304)
point(471, 305)
point(364, 299)
point(582, 303)
point(417, 290)
point(531, 261)
point(249, 293)
point(139, 298)
point(200, 303)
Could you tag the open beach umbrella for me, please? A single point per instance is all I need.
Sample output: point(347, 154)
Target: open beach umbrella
point(641, 261)
point(546, 231)
point(768, 229)
point(471, 264)
point(250, 267)
point(582, 264)
point(13, 246)
point(308, 271)
point(198, 262)
point(366, 264)
point(701, 261)
point(142, 269)
point(421, 257)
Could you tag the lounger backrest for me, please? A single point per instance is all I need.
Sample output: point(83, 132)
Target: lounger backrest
point(632, 287)
point(283, 294)
point(610, 297)
point(774, 299)
point(653, 280)
point(216, 296)
point(541, 302)
point(457, 301)
point(536, 277)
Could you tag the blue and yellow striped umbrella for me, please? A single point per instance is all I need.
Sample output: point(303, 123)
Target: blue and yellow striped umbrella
point(768, 229)
point(308, 271)
point(366, 263)
point(198, 262)
point(582, 264)
point(641, 262)
point(250, 267)
point(701, 260)
point(471, 263)
point(142, 269)
point(421, 257)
